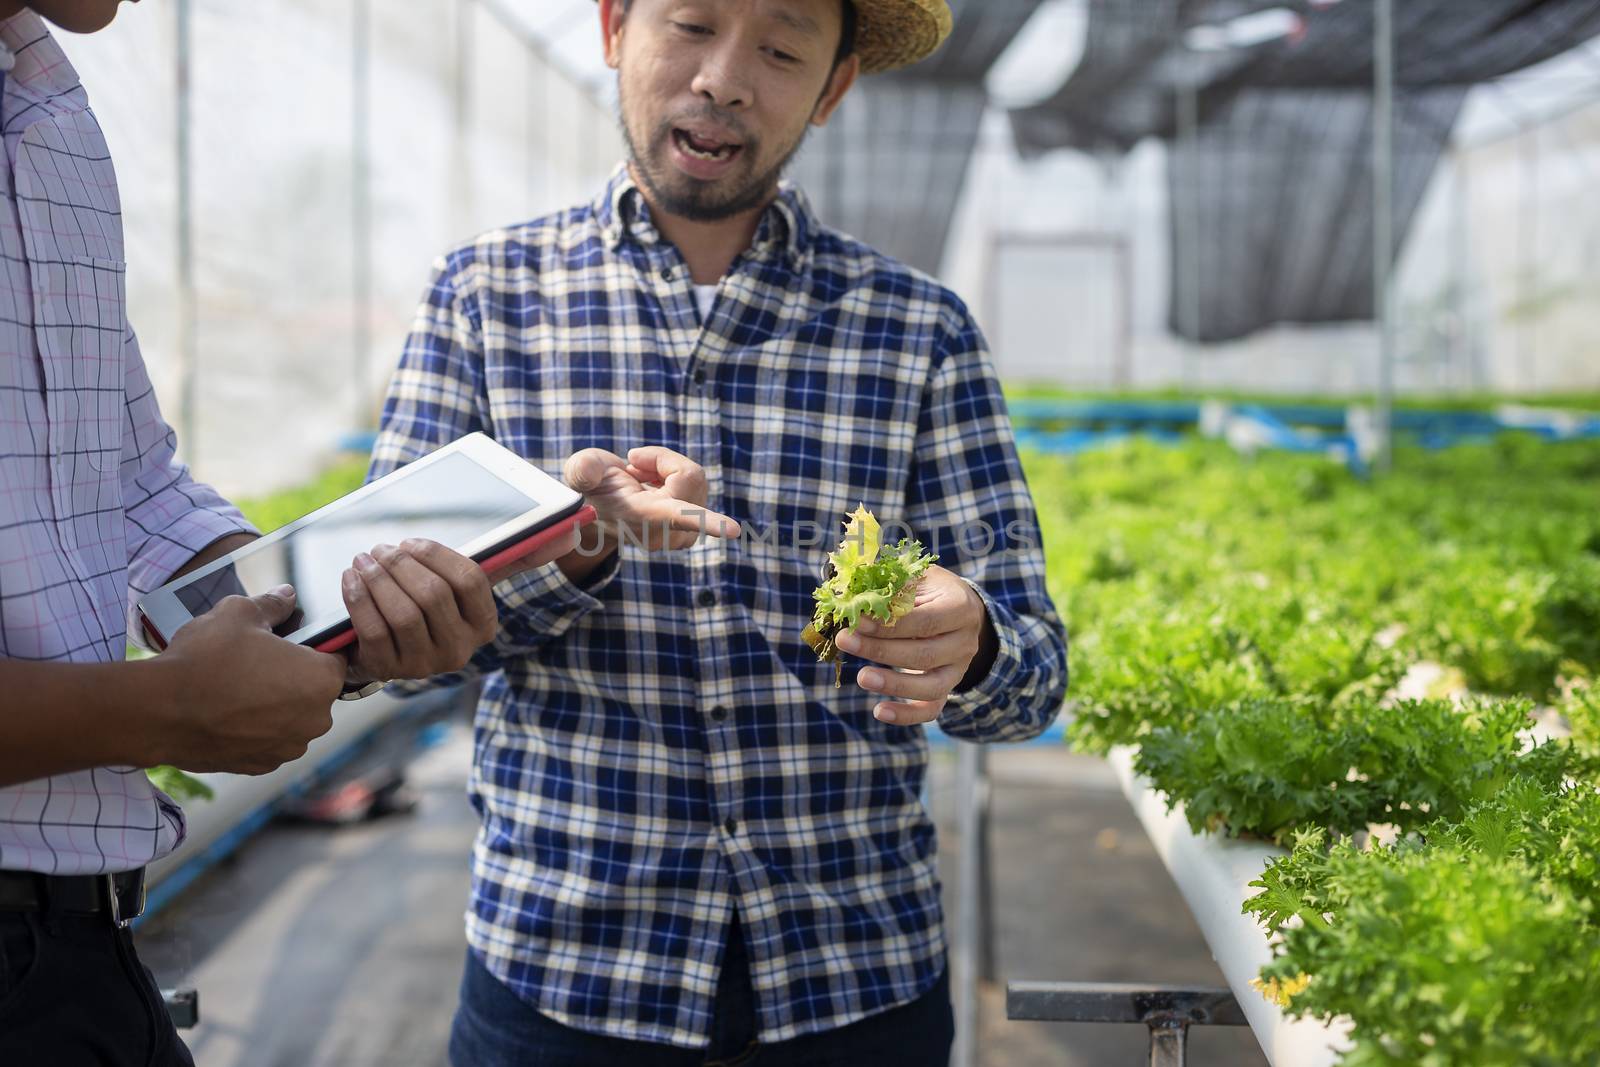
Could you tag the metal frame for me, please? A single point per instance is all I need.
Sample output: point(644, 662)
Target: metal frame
point(188, 315)
point(971, 959)
point(1168, 1011)
point(1383, 222)
point(1187, 215)
point(183, 1007)
point(361, 203)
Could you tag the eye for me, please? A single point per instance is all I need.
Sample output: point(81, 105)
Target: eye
point(783, 57)
point(692, 29)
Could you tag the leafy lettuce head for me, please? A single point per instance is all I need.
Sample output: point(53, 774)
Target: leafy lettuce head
point(865, 578)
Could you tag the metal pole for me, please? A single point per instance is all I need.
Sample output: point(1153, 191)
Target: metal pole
point(578, 156)
point(535, 103)
point(361, 204)
point(1527, 255)
point(1125, 313)
point(1168, 1011)
point(993, 326)
point(554, 193)
point(1383, 222)
point(1169, 1045)
point(1189, 156)
point(966, 959)
point(988, 969)
point(461, 175)
point(1465, 371)
point(188, 348)
point(1474, 343)
point(594, 161)
point(833, 166)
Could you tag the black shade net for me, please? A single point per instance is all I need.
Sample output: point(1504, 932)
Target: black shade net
point(890, 166)
point(1270, 169)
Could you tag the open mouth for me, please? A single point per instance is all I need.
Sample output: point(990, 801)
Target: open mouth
point(710, 150)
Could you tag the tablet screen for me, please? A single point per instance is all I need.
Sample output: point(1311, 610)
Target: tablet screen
point(452, 500)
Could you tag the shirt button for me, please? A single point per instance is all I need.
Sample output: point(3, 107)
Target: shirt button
point(732, 826)
point(666, 274)
point(706, 598)
point(700, 377)
point(719, 713)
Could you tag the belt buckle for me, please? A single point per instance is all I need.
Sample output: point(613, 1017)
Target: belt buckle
point(114, 901)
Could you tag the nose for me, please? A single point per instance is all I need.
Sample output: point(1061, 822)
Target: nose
point(720, 81)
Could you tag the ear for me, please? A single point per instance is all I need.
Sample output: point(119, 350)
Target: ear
point(612, 16)
point(839, 83)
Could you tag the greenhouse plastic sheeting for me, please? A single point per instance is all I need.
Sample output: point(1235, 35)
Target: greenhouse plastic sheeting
point(469, 129)
point(1271, 195)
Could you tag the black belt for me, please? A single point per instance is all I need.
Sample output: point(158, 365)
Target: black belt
point(121, 896)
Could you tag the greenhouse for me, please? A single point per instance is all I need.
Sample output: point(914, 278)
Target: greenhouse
point(999, 533)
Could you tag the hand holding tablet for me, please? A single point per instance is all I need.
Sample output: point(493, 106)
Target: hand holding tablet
point(473, 497)
point(228, 695)
point(398, 572)
point(419, 609)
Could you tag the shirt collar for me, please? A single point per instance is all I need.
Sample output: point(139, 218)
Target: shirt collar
point(785, 230)
point(38, 63)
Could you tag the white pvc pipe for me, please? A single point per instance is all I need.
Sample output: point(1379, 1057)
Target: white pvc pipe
point(1213, 874)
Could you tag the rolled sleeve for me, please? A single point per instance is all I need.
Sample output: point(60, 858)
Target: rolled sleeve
point(541, 605)
point(170, 516)
point(980, 713)
point(968, 479)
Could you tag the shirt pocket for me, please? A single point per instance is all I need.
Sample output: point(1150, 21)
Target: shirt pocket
point(81, 329)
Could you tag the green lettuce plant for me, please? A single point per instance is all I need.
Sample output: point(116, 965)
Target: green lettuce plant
point(865, 577)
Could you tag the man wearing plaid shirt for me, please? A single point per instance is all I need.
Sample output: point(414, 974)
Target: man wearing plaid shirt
point(694, 848)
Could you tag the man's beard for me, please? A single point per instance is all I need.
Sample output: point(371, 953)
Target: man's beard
point(688, 197)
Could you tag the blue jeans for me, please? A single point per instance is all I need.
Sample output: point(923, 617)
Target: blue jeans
point(494, 1028)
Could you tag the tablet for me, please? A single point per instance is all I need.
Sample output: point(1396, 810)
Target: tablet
point(472, 495)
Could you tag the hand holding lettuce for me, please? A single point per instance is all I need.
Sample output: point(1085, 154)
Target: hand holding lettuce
point(864, 578)
point(892, 606)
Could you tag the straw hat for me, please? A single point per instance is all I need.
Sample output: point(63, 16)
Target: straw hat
point(898, 33)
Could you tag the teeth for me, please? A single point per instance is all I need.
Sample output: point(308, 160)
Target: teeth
point(715, 154)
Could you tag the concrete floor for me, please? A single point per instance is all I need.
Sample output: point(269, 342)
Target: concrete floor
point(319, 947)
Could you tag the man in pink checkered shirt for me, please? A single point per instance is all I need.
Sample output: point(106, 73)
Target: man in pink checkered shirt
point(94, 511)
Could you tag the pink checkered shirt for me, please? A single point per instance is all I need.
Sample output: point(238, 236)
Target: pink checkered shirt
point(93, 508)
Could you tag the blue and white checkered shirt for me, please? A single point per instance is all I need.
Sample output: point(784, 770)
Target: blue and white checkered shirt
point(659, 747)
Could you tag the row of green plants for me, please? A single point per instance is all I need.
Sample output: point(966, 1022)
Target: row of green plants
point(1245, 624)
point(1254, 627)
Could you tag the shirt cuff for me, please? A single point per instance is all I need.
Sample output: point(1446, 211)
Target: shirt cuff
point(165, 552)
point(539, 605)
point(969, 712)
